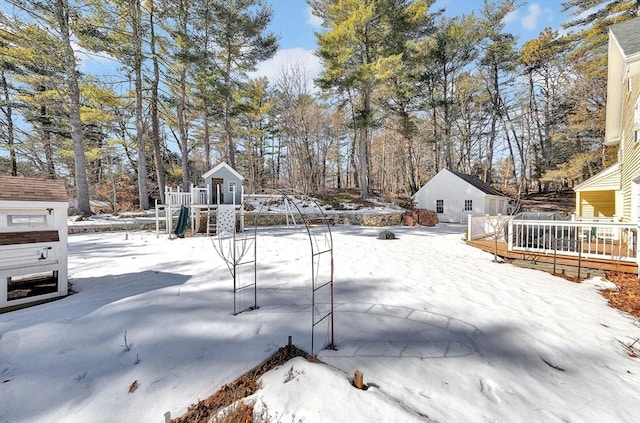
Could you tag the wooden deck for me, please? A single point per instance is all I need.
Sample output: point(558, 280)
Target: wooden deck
point(562, 261)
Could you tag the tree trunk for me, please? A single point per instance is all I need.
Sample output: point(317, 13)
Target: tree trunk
point(82, 186)
point(143, 190)
point(45, 121)
point(364, 154)
point(206, 139)
point(495, 115)
point(155, 121)
point(411, 169)
point(182, 131)
point(8, 112)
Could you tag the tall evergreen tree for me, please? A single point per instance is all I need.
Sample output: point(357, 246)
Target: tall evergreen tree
point(359, 50)
point(451, 48)
point(239, 41)
point(118, 28)
point(59, 17)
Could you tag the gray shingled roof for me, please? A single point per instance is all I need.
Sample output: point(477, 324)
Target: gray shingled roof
point(14, 188)
point(478, 184)
point(627, 34)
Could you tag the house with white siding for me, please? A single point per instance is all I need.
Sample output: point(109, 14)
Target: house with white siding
point(455, 196)
point(615, 192)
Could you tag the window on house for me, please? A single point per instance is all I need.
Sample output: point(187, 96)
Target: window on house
point(440, 206)
point(468, 205)
point(232, 186)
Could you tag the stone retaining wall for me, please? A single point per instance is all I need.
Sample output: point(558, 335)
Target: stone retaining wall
point(271, 219)
point(115, 226)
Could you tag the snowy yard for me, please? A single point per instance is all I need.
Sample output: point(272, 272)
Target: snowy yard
point(440, 332)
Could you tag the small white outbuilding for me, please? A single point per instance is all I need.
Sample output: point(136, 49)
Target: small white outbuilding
point(454, 196)
point(223, 182)
point(33, 240)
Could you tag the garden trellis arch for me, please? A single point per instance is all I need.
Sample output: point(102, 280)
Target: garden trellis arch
point(236, 241)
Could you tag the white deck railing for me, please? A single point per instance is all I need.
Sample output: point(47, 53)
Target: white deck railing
point(175, 199)
point(586, 238)
point(611, 241)
point(196, 196)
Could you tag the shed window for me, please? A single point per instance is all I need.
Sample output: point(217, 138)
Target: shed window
point(440, 206)
point(468, 205)
point(232, 186)
point(27, 220)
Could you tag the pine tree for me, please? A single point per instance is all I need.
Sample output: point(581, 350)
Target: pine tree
point(59, 17)
point(360, 49)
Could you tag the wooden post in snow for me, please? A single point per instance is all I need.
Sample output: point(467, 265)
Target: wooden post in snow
point(357, 380)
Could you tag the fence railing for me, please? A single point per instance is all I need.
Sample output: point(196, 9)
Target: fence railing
point(177, 198)
point(585, 238)
point(611, 241)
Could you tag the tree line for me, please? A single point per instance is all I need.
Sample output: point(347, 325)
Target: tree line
point(404, 91)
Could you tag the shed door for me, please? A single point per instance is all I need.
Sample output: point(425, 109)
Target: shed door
point(217, 189)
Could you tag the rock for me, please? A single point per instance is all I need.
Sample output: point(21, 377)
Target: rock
point(386, 235)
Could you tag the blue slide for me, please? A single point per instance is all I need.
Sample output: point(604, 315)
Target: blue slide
point(183, 222)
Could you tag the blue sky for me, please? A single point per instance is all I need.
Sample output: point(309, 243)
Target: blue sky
point(293, 22)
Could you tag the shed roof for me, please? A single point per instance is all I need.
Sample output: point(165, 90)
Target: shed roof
point(16, 188)
point(220, 166)
point(477, 183)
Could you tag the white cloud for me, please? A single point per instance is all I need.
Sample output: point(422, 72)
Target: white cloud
point(510, 17)
point(287, 57)
point(313, 20)
point(530, 20)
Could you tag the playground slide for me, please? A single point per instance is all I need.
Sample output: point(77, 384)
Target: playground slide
point(183, 222)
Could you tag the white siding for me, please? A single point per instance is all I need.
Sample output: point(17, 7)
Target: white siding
point(454, 191)
point(635, 200)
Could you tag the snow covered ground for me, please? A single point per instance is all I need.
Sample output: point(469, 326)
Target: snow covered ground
point(440, 332)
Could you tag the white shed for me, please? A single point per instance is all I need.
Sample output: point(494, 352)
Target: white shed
point(454, 196)
point(33, 240)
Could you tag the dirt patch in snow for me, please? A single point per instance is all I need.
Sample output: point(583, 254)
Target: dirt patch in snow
point(240, 388)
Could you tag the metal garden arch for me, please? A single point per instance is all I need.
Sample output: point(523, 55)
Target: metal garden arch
point(238, 246)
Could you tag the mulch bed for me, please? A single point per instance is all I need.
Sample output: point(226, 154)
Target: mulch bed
point(240, 388)
point(626, 296)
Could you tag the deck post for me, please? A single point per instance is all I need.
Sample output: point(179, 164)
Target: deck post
point(510, 235)
point(157, 220)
